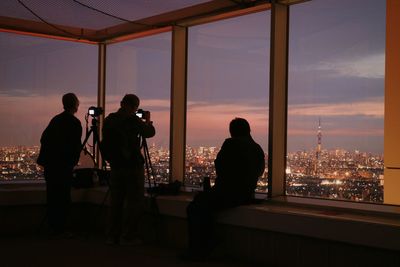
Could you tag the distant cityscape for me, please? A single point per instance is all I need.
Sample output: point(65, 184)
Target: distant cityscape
point(333, 174)
point(18, 163)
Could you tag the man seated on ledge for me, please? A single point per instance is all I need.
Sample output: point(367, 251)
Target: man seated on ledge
point(238, 165)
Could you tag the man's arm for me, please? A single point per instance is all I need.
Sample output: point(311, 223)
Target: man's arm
point(76, 142)
point(222, 162)
point(147, 129)
point(260, 160)
point(42, 159)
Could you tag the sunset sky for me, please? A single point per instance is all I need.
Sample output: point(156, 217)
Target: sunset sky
point(336, 74)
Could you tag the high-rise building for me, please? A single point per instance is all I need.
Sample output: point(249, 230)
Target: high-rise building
point(317, 162)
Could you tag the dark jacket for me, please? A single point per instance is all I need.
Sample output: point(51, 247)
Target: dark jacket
point(61, 142)
point(238, 165)
point(121, 139)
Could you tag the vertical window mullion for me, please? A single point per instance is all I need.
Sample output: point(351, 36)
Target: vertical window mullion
point(178, 102)
point(278, 99)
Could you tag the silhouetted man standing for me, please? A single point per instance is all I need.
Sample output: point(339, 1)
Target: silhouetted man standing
point(238, 165)
point(122, 133)
point(59, 153)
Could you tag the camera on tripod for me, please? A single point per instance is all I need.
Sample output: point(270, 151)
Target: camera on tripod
point(95, 111)
point(141, 114)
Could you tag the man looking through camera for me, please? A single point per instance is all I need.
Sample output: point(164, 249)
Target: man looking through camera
point(120, 146)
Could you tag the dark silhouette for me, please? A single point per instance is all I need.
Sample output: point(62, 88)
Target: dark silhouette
point(59, 153)
point(238, 165)
point(120, 146)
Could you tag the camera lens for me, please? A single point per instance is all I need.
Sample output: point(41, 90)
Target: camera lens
point(95, 111)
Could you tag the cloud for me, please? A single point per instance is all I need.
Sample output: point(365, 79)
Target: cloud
point(155, 103)
point(373, 107)
point(205, 119)
point(226, 108)
point(147, 103)
point(371, 66)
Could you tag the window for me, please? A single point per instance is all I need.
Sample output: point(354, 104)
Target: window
point(143, 67)
point(336, 100)
point(228, 77)
point(34, 74)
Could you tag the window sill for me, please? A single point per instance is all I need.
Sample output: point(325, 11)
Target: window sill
point(367, 228)
point(290, 215)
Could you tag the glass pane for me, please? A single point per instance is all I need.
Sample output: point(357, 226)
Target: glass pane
point(228, 77)
point(336, 100)
point(143, 67)
point(34, 74)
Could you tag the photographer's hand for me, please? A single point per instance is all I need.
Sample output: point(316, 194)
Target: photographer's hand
point(146, 116)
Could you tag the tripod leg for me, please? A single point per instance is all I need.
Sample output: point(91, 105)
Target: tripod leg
point(149, 166)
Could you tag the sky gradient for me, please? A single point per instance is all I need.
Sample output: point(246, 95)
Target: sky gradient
point(336, 74)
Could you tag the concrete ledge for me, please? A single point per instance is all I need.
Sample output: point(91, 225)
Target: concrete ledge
point(343, 225)
point(373, 230)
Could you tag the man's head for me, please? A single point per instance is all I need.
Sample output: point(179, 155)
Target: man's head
point(130, 103)
point(70, 102)
point(239, 127)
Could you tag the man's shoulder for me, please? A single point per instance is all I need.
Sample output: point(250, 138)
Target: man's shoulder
point(58, 117)
point(118, 116)
point(229, 141)
point(65, 116)
point(117, 119)
point(236, 141)
point(111, 115)
point(244, 143)
point(73, 120)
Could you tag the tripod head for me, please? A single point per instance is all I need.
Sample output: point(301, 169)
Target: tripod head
point(93, 112)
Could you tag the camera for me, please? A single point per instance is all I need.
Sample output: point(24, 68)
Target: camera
point(140, 113)
point(95, 111)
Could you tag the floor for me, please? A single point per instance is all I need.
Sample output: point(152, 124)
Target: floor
point(32, 251)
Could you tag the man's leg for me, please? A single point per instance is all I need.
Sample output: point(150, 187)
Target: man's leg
point(201, 220)
point(58, 192)
point(117, 194)
point(135, 203)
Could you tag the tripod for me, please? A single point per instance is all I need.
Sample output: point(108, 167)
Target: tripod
point(94, 129)
point(149, 167)
point(154, 211)
point(95, 155)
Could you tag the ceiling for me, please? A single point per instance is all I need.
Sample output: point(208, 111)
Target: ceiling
point(97, 21)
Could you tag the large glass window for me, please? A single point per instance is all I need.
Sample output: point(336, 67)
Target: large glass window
point(34, 74)
point(336, 100)
point(143, 67)
point(228, 77)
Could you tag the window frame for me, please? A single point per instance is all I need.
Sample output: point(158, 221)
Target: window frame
point(278, 100)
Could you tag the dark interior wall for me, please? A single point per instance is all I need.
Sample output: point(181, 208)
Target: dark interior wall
point(241, 243)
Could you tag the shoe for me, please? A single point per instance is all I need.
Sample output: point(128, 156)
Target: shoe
point(130, 242)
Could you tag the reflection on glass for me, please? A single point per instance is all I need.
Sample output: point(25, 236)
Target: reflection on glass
point(228, 77)
point(143, 67)
point(34, 74)
point(336, 100)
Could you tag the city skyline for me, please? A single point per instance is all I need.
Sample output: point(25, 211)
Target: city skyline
point(341, 174)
